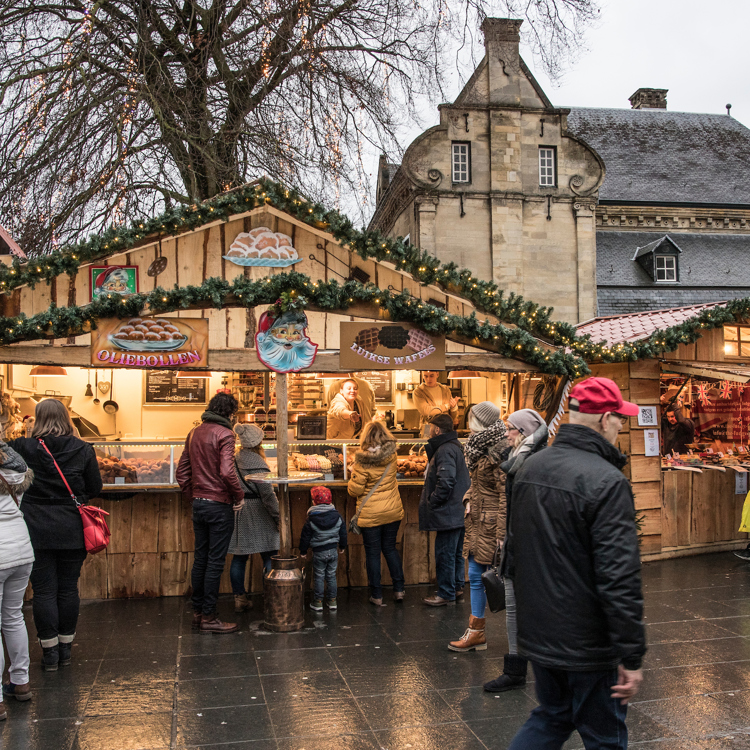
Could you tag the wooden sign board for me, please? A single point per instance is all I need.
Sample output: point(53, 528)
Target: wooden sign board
point(164, 387)
point(151, 343)
point(390, 346)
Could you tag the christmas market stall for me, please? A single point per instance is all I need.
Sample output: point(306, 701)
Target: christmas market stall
point(281, 302)
point(689, 371)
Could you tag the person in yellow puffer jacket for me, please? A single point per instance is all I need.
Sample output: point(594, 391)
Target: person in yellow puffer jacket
point(380, 514)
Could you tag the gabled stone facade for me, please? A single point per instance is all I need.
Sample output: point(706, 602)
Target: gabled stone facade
point(499, 221)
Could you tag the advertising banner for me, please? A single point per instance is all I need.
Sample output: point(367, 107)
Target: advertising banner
point(389, 346)
point(151, 343)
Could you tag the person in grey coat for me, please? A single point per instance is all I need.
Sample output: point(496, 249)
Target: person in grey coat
point(256, 525)
point(441, 507)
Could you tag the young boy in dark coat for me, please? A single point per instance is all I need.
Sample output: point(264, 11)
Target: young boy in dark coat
point(324, 531)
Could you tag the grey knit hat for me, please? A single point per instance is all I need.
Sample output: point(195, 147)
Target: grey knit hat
point(485, 414)
point(250, 435)
point(526, 421)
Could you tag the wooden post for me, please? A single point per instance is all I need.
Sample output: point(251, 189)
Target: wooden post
point(282, 463)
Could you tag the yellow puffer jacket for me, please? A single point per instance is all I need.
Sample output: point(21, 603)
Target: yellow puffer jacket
point(384, 506)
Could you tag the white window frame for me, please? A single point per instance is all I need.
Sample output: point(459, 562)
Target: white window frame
point(460, 162)
point(667, 268)
point(547, 166)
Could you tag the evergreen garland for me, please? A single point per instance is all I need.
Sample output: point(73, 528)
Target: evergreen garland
point(529, 319)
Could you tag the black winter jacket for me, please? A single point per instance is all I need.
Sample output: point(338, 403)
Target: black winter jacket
point(441, 507)
point(50, 513)
point(574, 552)
point(324, 529)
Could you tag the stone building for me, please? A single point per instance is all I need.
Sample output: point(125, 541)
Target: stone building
point(591, 211)
point(501, 186)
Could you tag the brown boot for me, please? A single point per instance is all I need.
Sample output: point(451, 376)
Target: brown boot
point(242, 603)
point(212, 624)
point(473, 639)
point(197, 616)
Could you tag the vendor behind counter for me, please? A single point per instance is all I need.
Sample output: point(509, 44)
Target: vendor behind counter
point(677, 430)
point(350, 409)
point(432, 398)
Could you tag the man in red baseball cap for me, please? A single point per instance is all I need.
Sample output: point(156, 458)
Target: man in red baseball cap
point(572, 553)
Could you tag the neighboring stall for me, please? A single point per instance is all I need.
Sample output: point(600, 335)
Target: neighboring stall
point(136, 329)
point(690, 501)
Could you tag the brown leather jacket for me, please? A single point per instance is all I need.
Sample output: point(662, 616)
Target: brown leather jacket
point(206, 467)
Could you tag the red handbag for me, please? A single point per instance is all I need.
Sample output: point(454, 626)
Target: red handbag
point(96, 534)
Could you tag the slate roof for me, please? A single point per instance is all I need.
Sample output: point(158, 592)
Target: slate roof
point(658, 156)
point(707, 260)
point(617, 329)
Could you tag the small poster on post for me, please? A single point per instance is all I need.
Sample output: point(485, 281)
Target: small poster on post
point(740, 483)
point(651, 439)
point(647, 417)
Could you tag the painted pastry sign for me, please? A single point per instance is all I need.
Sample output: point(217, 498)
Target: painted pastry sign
point(262, 247)
point(390, 346)
point(282, 342)
point(159, 343)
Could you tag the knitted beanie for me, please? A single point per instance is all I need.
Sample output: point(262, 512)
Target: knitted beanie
point(250, 435)
point(321, 495)
point(485, 414)
point(526, 421)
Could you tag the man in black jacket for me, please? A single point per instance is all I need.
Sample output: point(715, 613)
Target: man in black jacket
point(441, 507)
point(576, 570)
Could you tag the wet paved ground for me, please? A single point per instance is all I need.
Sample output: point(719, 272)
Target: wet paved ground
point(366, 678)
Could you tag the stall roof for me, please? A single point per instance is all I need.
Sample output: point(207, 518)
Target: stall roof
point(735, 373)
point(619, 329)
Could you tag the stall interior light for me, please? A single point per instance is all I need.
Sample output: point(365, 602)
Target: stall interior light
point(194, 374)
point(465, 375)
point(48, 371)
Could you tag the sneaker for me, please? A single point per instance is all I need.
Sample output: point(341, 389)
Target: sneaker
point(743, 554)
point(332, 604)
point(316, 605)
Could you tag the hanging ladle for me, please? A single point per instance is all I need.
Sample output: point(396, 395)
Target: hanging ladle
point(111, 406)
point(96, 388)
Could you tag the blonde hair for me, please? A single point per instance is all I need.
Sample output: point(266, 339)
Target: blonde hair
point(52, 418)
point(255, 449)
point(374, 435)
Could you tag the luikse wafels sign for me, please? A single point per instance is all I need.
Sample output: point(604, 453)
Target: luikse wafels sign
point(389, 346)
point(151, 343)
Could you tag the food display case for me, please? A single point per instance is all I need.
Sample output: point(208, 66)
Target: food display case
point(138, 463)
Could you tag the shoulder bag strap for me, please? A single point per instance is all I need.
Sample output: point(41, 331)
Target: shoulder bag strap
point(248, 488)
point(59, 471)
point(372, 491)
point(9, 489)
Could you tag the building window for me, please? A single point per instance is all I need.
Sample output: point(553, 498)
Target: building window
point(547, 167)
point(737, 341)
point(666, 268)
point(461, 164)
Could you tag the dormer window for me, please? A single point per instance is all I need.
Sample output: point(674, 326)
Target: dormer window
point(660, 259)
point(666, 267)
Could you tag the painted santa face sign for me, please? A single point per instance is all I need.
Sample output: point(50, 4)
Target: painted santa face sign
point(283, 344)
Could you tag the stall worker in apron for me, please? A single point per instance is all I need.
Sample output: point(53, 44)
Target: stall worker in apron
point(432, 398)
point(348, 412)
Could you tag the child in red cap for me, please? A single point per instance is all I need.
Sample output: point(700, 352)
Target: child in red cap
point(324, 531)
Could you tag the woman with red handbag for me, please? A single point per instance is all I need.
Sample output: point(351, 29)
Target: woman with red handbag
point(65, 473)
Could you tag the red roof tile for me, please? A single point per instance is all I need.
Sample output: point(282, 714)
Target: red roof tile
point(617, 329)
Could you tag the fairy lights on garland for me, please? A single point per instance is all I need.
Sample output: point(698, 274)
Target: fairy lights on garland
point(60, 322)
point(531, 319)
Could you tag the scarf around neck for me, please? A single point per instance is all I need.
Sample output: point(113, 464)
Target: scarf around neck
point(479, 444)
point(211, 416)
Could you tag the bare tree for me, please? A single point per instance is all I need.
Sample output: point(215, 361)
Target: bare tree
point(114, 109)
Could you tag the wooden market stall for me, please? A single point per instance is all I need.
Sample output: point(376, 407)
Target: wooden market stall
point(687, 506)
point(182, 268)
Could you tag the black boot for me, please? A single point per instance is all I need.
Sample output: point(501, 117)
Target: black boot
point(512, 678)
point(64, 650)
point(50, 658)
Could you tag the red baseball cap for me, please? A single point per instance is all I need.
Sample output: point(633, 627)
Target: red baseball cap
point(597, 395)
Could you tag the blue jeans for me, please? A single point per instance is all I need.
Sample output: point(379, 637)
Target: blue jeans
point(213, 524)
point(449, 562)
point(377, 539)
point(324, 571)
point(238, 567)
point(574, 700)
point(478, 596)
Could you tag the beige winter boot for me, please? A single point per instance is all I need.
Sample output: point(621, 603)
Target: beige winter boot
point(242, 603)
point(473, 639)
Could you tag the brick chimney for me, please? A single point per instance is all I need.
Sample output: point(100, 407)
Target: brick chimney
point(649, 99)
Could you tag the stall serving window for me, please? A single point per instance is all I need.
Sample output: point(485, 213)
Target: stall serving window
point(737, 341)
